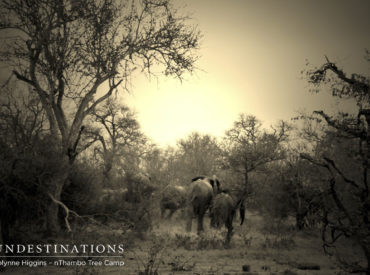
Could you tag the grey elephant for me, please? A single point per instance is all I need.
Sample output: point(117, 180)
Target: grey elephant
point(199, 199)
point(112, 198)
point(173, 199)
point(223, 210)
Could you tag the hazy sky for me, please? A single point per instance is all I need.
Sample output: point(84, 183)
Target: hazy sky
point(252, 55)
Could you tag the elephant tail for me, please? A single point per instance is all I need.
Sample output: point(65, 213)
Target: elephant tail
point(242, 212)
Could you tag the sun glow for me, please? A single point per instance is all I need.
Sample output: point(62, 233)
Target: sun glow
point(173, 110)
point(251, 66)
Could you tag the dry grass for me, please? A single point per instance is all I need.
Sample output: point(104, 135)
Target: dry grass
point(274, 248)
point(257, 247)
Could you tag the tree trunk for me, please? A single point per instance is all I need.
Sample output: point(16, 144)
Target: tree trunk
point(108, 165)
point(242, 211)
point(52, 212)
point(106, 178)
point(299, 220)
point(367, 256)
point(246, 178)
point(2, 241)
point(300, 215)
point(3, 232)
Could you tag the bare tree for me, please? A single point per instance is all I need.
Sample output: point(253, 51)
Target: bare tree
point(75, 54)
point(26, 157)
point(199, 155)
point(22, 118)
point(248, 148)
point(344, 153)
point(120, 130)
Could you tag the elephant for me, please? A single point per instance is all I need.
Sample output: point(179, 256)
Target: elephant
point(131, 202)
point(112, 197)
point(223, 210)
point(173, 198)
point(199, 198)
point(110, 203)
point(140, 188)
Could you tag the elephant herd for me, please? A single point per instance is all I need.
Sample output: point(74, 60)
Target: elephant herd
point(202, 194)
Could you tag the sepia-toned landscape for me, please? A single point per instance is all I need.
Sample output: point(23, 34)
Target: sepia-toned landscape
point(184, 137)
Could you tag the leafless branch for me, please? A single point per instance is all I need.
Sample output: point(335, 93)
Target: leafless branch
point(66, 210)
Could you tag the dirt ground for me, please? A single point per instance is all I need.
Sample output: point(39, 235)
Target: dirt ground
point(256, 248)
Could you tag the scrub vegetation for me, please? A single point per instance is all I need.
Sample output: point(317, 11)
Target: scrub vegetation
point(75, 166)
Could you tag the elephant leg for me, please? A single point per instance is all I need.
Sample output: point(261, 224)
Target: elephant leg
point(213, 219)
point(171, 213)
point(229, 226)
point(228, 236)
point(163, 210)
point(200, 223)
point(188, 224)
point(189, 215)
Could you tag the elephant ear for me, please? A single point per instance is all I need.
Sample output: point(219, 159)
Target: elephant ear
point(216, 184)
point(212, 182)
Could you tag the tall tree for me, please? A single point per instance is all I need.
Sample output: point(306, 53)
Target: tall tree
point(22, 118)
point(76, 53)
point(199, 155)
point(120, 130)
point(344, 152)
point(248, 148)
point(27, 157)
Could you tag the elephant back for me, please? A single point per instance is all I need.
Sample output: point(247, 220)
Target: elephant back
point(112, 194)
point(174, 196)
point(111, 199)
point(213, 181)
point(200, 195)
point(223, 209)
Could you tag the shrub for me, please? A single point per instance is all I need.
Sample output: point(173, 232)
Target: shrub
point(26, 177)
point(84, 189)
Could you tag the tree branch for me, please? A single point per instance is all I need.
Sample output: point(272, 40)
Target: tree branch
point(332, 163)
point(341, 75)
point(23, 78)
point(66, 209)
point(335, 125)
point(102, 98)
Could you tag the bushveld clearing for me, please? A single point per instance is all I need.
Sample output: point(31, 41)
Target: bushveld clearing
point(256, 248)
